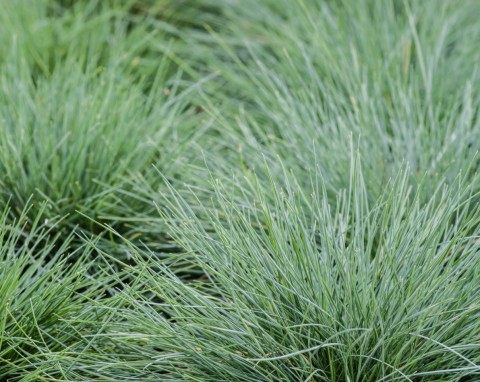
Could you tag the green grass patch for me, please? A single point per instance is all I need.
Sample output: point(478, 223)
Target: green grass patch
point(241, 190)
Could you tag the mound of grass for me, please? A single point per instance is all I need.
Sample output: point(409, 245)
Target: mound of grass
point(67, 136)
point(305, 78)
point(46, 301)
point(349, 291)
point(77, 132)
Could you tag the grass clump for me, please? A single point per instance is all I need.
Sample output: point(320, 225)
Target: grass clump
point(304, 78)
point(75, 136)
point(349, 291)
point(46, 304)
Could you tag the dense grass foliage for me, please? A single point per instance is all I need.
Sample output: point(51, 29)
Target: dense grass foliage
point(76, 131)
point(341, 292)
point(307, 76)
point(239, 190)
point(46, 304)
